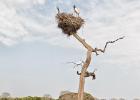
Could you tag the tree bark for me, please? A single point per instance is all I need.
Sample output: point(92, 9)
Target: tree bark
point(82, 76)
point(86, 45)
point(84, 67)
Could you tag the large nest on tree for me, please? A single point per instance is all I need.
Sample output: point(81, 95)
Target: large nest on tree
point(69, 23)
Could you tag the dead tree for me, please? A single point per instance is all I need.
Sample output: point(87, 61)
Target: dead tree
point(70, 24)
point(90, 50)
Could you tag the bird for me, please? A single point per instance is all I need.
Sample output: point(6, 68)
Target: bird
point(76, 10)
point(58, 10)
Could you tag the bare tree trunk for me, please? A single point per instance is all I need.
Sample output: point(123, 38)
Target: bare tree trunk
point(84, 68)
point(82, 78)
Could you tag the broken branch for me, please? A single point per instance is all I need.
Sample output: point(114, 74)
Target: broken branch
point(88, 74)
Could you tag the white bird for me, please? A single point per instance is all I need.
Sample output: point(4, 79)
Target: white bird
point(76, 10)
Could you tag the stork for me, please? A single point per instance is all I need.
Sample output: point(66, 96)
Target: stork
point(76, 10)
point(58, 10)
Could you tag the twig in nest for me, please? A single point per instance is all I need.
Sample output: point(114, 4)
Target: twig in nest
point(77, 64)
point(109, 42)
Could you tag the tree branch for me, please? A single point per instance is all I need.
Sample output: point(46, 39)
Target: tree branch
point(77, 64)
point(86, 45)
point(89, 48)
point(88, 74)
point(109, 42)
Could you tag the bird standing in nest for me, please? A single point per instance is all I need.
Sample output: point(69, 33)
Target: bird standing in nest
point(76, 10)
point(58, 10)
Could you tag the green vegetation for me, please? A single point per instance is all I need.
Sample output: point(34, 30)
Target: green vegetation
point(27, 98)
point(64, 95)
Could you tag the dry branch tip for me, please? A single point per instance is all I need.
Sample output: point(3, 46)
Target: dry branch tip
point(108, 42)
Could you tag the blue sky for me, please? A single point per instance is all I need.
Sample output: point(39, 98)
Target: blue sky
point(34, 52)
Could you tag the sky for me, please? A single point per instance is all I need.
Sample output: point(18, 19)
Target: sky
point(34, 53)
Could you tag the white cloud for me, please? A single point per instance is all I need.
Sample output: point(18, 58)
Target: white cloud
point(10, 27)
point(105, 20)
point(23, 3)
point(13, 25)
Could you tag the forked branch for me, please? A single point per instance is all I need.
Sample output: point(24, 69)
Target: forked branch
point(89, 48)
point(109, 42)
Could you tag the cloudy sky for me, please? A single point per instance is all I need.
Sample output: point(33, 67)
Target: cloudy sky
point(34, 52)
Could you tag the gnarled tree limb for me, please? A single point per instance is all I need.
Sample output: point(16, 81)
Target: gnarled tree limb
point(89, 48)
point(103, 50)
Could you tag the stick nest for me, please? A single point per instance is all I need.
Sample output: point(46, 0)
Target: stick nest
point(69, 23)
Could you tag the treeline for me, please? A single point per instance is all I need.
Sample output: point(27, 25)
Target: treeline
point(27, 98)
